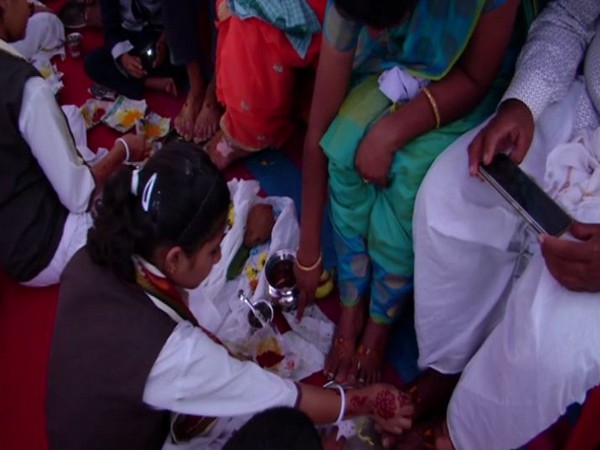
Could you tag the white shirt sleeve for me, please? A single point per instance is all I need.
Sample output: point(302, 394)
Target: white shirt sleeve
point(555, 47)
point(44, 127)
point(195, 375)
point(120, 48)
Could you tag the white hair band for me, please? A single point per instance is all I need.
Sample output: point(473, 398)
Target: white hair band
point(147, 193)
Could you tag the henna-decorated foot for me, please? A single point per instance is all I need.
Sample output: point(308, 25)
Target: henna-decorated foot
point(369, 357)
point(339, 361)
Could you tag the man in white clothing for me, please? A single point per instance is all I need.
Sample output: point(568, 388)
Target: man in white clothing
point(516, 315)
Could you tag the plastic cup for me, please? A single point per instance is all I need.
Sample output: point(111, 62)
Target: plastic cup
point(74, 44)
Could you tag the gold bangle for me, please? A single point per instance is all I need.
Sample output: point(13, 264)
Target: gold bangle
point(434, 106)
point(311, 267)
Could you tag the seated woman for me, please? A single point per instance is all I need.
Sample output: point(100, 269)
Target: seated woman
point(126, 350)
point(260, 55)
point(131, 27)
point(46, 189)
point(375, 154)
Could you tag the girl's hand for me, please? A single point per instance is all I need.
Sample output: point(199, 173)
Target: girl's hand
point(374, 155)
point(138, 148)
point(391, 409)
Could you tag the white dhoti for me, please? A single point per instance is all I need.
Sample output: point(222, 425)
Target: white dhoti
point(526, 346)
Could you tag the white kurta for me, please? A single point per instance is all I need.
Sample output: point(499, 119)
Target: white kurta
point(526, 346)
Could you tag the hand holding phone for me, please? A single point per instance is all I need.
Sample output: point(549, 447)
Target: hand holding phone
point(148, 56)
point(529, 200)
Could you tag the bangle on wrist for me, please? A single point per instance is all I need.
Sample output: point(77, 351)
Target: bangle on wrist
point(126, 147)
point(434, 106)
point(312, 267)
point(342, 392)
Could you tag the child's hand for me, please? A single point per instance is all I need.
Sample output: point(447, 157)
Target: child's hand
point(132, 65)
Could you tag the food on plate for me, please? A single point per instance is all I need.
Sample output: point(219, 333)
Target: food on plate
point(125, 113)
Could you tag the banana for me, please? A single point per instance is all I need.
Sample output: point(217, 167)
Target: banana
point(325, 286)
point(325, 275)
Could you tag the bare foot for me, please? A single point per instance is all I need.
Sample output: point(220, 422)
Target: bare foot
point(184, 122)
point(207, 121)
point(164, 84)
point(221, 152)
point(368, 359)
point(338, 364)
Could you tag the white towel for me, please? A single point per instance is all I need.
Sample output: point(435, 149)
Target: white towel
point(573, 175)
point(44, 37)
point(400, 86)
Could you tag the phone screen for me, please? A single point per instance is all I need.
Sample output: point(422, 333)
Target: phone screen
point(530, 200)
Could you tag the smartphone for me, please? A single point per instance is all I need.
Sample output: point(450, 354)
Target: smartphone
point(148, 55)
point(526, 196)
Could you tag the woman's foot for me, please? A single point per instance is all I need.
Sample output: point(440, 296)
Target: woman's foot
point(338, 364)
point(163, 84)
point(368, 359)
point(185, 120)
point(207, 121)
point(223, 153)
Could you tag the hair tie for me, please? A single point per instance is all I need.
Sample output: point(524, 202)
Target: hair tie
point(135, 181)
point(147, 194)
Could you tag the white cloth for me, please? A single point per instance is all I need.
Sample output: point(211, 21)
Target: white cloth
point(573, 176)
point(44, 38)
point(43, 126)
point(527, 347)
point(400, 86)
point(195, 375)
